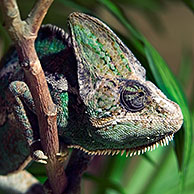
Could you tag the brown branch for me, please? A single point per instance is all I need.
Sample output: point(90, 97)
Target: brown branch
point(37, 14)
point(24, 33)
point(77, 165)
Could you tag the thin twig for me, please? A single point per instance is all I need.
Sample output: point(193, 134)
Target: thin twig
point(23, 34)
point(37, 14)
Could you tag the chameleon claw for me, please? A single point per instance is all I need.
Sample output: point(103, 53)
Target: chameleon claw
point(41, 161)
point(62, 156)
point(39, 157)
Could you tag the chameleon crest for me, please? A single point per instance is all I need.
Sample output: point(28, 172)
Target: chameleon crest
point(105, 104)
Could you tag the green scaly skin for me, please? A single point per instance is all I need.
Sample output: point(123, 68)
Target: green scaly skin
point(105, 105)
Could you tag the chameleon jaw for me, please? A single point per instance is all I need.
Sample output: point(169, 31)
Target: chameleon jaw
point(129, 151)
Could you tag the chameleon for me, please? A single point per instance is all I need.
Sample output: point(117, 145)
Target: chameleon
point(105, 104)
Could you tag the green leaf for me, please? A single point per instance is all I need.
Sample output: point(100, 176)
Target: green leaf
point(74, 5)
point(186, 67)
point(112, 172)
point(107, 183)
point(117, 12)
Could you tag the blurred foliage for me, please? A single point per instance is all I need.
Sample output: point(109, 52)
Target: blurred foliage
point(167, 170)
point(189, 3)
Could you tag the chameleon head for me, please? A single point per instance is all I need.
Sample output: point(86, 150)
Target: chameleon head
point(133, 114)
point(125, 111)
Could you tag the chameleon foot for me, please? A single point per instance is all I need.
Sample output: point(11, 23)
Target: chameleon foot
point(39, 156)
point(62, 156)
point(63, 153)
point(36, 152)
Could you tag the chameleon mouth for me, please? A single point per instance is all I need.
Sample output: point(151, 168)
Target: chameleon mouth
point(129, 151)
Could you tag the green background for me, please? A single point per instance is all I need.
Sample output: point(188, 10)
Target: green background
point(168, 25)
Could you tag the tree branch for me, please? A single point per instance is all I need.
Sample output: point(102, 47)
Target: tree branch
point(23, 34)
point(37, 14)
point(78, 163)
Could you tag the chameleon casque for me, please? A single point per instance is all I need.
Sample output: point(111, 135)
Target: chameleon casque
point(105, 104)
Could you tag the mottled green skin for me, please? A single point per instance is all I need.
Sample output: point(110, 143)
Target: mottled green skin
point(104, 101)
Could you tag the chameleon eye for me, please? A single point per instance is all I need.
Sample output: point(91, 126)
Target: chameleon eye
point(134, 96)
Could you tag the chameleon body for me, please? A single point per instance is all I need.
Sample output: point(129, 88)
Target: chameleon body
point(105, 104)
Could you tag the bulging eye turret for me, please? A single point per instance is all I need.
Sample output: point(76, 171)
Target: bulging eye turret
point(134, 96)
